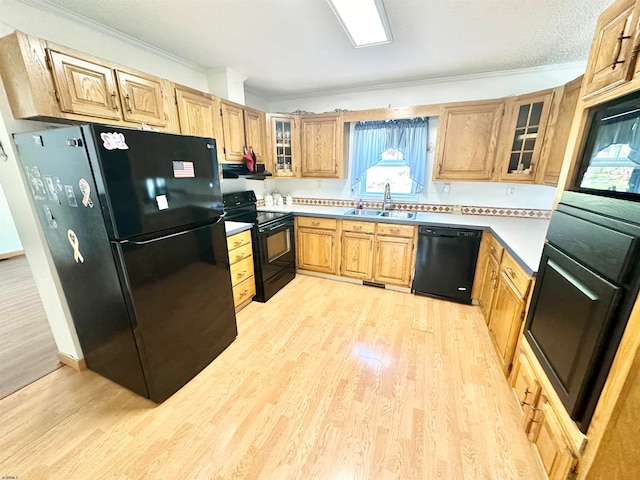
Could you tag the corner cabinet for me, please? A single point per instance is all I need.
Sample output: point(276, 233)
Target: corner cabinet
point(322, 142)
point(317, 244)
point(523, 133)
point(467, 141)
point(614, 50)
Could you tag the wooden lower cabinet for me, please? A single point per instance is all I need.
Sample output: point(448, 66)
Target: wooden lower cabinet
point(393, 260)
point(506, 316)
point(317, 244)
point(241, 266)
point(508, 307)
point(488, 287)
point(540, 421)
point(356, 260)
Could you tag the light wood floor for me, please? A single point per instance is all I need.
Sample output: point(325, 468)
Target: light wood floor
point(27, 348)
point(327, 380)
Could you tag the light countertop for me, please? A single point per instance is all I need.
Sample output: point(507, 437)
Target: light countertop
point(522, 237)
point(236, 227)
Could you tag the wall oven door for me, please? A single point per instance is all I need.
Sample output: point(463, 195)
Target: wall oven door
point(571, 317)
point(277, 248)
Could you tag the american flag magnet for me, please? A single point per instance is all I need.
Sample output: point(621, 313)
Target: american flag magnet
point(183, 170)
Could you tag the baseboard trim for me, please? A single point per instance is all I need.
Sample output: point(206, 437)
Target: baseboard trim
point(76, 364)
point(350, 280)
point(15, 253)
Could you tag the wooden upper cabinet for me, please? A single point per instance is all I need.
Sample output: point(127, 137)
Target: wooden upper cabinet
point(611, 60)
point(83, 87)
point(255, 133)
point(558, 129)
point(321, 143)
point(233, 131)
point(141, 97)
point(284, 145)
point(467, 141)
point(196, 113)
point(522, 136)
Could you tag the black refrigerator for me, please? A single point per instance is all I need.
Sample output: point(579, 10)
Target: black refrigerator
point(133, 220)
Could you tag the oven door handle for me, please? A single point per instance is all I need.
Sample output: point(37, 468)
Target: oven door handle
point(279, 226)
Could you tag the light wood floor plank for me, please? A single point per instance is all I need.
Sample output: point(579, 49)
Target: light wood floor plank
point(327, 380)
point(27, 348)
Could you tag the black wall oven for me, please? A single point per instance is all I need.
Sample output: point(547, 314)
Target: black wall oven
point(272, 235)
point(587, 283)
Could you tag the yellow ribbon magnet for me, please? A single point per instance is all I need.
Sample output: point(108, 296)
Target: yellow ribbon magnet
point(75, 244)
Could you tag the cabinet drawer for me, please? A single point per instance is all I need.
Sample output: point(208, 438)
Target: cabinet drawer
point(239, 239)
point(360, 227)
point(312, 222)
point(495, 248)
point(244, 291)
point(241, 270)
point(515, 273)
point(392, 230)
point(240, 253)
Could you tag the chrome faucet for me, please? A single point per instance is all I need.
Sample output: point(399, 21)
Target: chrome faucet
point(386, 202)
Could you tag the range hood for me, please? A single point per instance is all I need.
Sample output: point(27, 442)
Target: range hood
point(240, 170)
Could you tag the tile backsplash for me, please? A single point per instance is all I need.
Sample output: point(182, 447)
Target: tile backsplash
point(426, 207)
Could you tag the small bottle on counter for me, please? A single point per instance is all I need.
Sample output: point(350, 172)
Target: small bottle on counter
point(360, 204)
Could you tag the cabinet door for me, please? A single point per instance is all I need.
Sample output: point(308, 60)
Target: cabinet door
point(321, 142)
point(84, 88)
point(526, 388)
point(489, 283)
point(558, 130)
point(393, 260)
point(357, 255)
point(284, 141)
point(467, 140)
point(506, 317)
point(233, 131)
point(610, 58)
point(196, 114)
point(316, 250)
point(254, 130)
point(141, 99)
point(550, 443)
point(523, 135)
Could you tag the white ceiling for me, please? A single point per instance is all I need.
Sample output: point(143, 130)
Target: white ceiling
point(289, 47)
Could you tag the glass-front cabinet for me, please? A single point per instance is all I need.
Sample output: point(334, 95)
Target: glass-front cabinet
point(284, 140)
point(524, 132)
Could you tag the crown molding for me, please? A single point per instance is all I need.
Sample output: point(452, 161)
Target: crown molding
point(421, 82)
point(45, 6)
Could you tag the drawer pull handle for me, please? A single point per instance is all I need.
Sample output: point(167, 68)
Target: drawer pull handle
point(524, 400)
point(241, 274)
point(618, 50)
point(395, 230)
point(244, 292)
point(357, 227)
point(127, 102)
point(315, 224)
point(237, 242)
point(510, 271)
point(239, 257)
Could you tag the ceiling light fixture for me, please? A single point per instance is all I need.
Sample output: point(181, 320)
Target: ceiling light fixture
point(365, 21)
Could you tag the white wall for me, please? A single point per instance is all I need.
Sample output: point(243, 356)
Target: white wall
point(9, 239)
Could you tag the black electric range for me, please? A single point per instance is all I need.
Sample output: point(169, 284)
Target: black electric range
point(274, 253)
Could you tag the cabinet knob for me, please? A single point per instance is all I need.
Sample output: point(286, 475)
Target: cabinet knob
point(510, 271)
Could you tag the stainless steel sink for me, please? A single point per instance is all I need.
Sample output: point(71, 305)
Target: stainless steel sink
point(379, 213)
point(398, 214)
point(364, 212)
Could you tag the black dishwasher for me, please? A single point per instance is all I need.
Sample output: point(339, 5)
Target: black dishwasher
point(446, 262)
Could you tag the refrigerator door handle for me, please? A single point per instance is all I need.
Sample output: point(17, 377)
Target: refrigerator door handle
point(172, 235)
